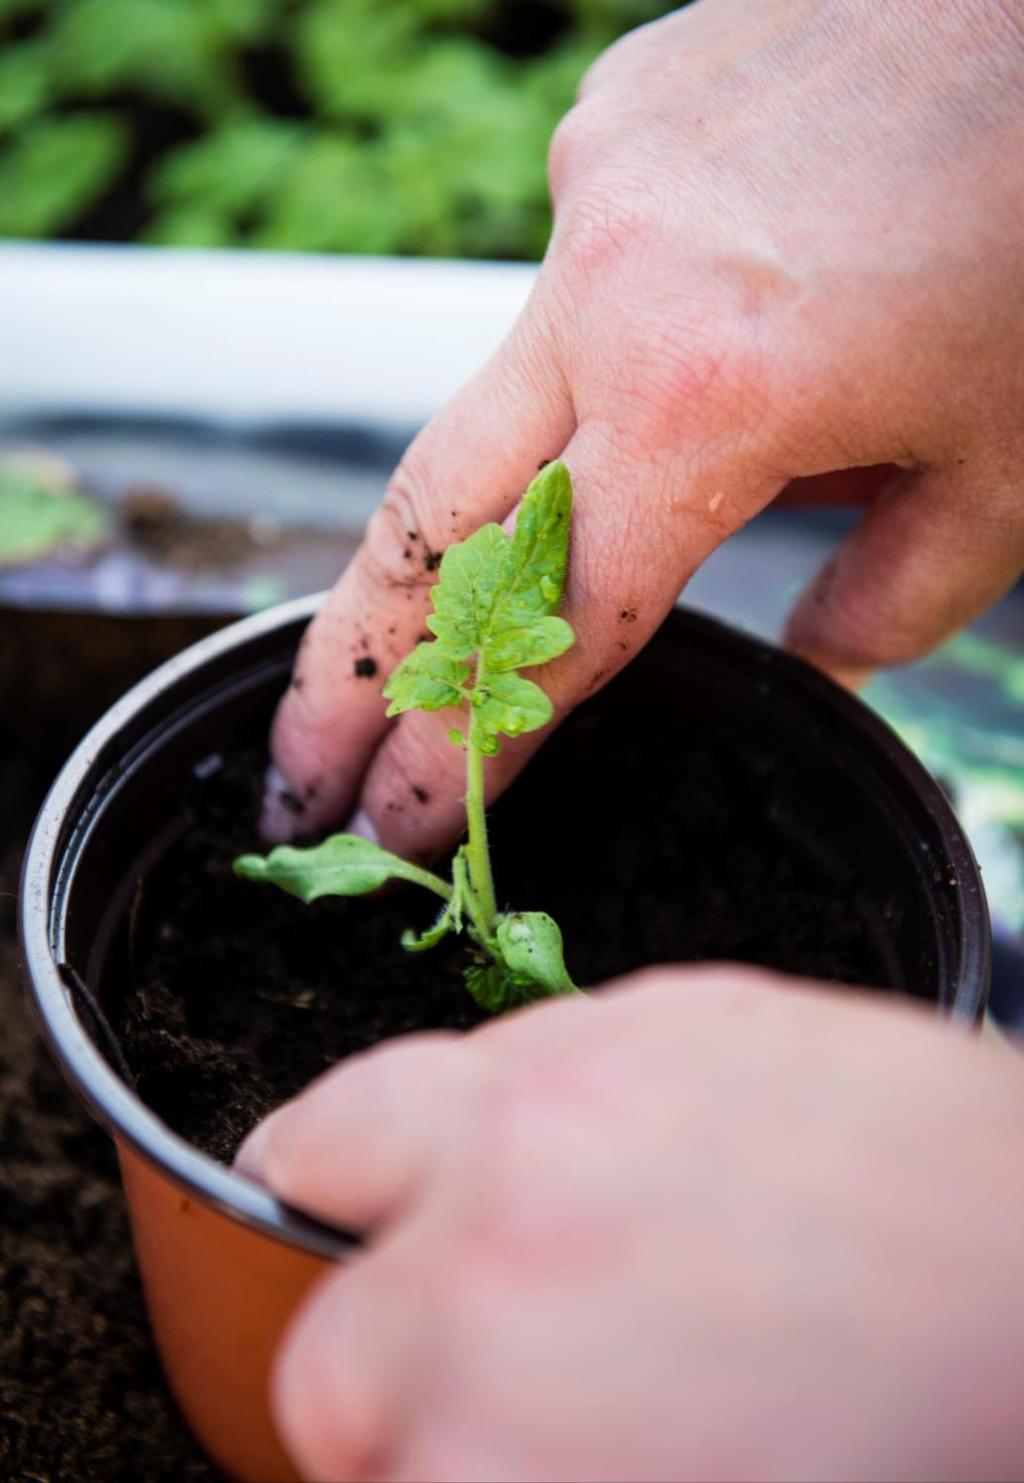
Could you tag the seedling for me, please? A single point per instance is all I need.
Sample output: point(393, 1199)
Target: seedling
point(495, 612)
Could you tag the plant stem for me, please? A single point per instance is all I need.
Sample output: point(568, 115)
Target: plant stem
point(477, 850)
point(429, 880)
point(480, 927)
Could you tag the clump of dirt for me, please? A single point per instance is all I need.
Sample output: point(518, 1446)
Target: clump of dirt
point(157, 524)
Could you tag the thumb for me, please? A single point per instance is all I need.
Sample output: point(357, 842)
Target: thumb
point(932, 552)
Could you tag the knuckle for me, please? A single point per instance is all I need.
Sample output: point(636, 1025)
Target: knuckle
point(570, 144)
point(598, 230)
point(615, 61)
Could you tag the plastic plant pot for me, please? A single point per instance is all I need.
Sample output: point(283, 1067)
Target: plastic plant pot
point(223, 1263)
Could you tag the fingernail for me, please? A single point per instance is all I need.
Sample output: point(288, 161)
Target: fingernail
point(361, 824)
point(282, 808)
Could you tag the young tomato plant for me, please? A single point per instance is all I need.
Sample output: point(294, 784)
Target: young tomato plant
point(495, 612)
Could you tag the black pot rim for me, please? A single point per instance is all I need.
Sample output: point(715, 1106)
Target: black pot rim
point(121, 1112)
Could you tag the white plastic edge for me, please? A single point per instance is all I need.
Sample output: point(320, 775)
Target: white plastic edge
point(243, 336)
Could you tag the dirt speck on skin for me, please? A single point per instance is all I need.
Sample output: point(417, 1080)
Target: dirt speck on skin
point(365, 667)
point(432, 560)
point(420, 794)
point(627, 615)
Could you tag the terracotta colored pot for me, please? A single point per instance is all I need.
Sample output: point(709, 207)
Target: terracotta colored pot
point(224, 1264)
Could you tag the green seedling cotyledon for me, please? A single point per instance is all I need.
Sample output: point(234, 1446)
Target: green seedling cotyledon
point(495, 612)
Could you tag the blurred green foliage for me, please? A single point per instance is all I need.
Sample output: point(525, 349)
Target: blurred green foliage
point(42, 514)
point(392, 126)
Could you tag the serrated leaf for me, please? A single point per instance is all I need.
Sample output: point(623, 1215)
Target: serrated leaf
point(428, 679)
point(508, 705)
point(471, 577)
point(520, 647)
point(531, 945)
point(535, 572)
point(343, 865)
point(496, 595)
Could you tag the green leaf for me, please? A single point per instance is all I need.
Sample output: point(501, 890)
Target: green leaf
point(495, 597)
point(428, 679)
point(333, 199)
point(343, 865)
point(520, 647)
point(187, 52)
point(532, 966)
point(353, 57)
point(493, 593)
point(471, 577)
point(54, 168)
point(491, 985)
point(191, 226)
point(535, 576)
point(232, 170)
point(38, 518)
point(25, 83)
point(531, 945)
point(508, 705)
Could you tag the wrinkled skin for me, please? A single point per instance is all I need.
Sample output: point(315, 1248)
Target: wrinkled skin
point(709, 1226)
point(706, 1225)
point(788, 242)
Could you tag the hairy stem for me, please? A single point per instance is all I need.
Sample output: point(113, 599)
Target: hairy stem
point(477, 851)
point(480, 927)
point(428, 880)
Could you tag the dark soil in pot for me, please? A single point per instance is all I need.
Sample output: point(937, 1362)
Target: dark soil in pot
point(679, 845)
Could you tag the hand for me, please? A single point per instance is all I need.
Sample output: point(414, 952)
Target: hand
point(789, 240)
point(706, 1224)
